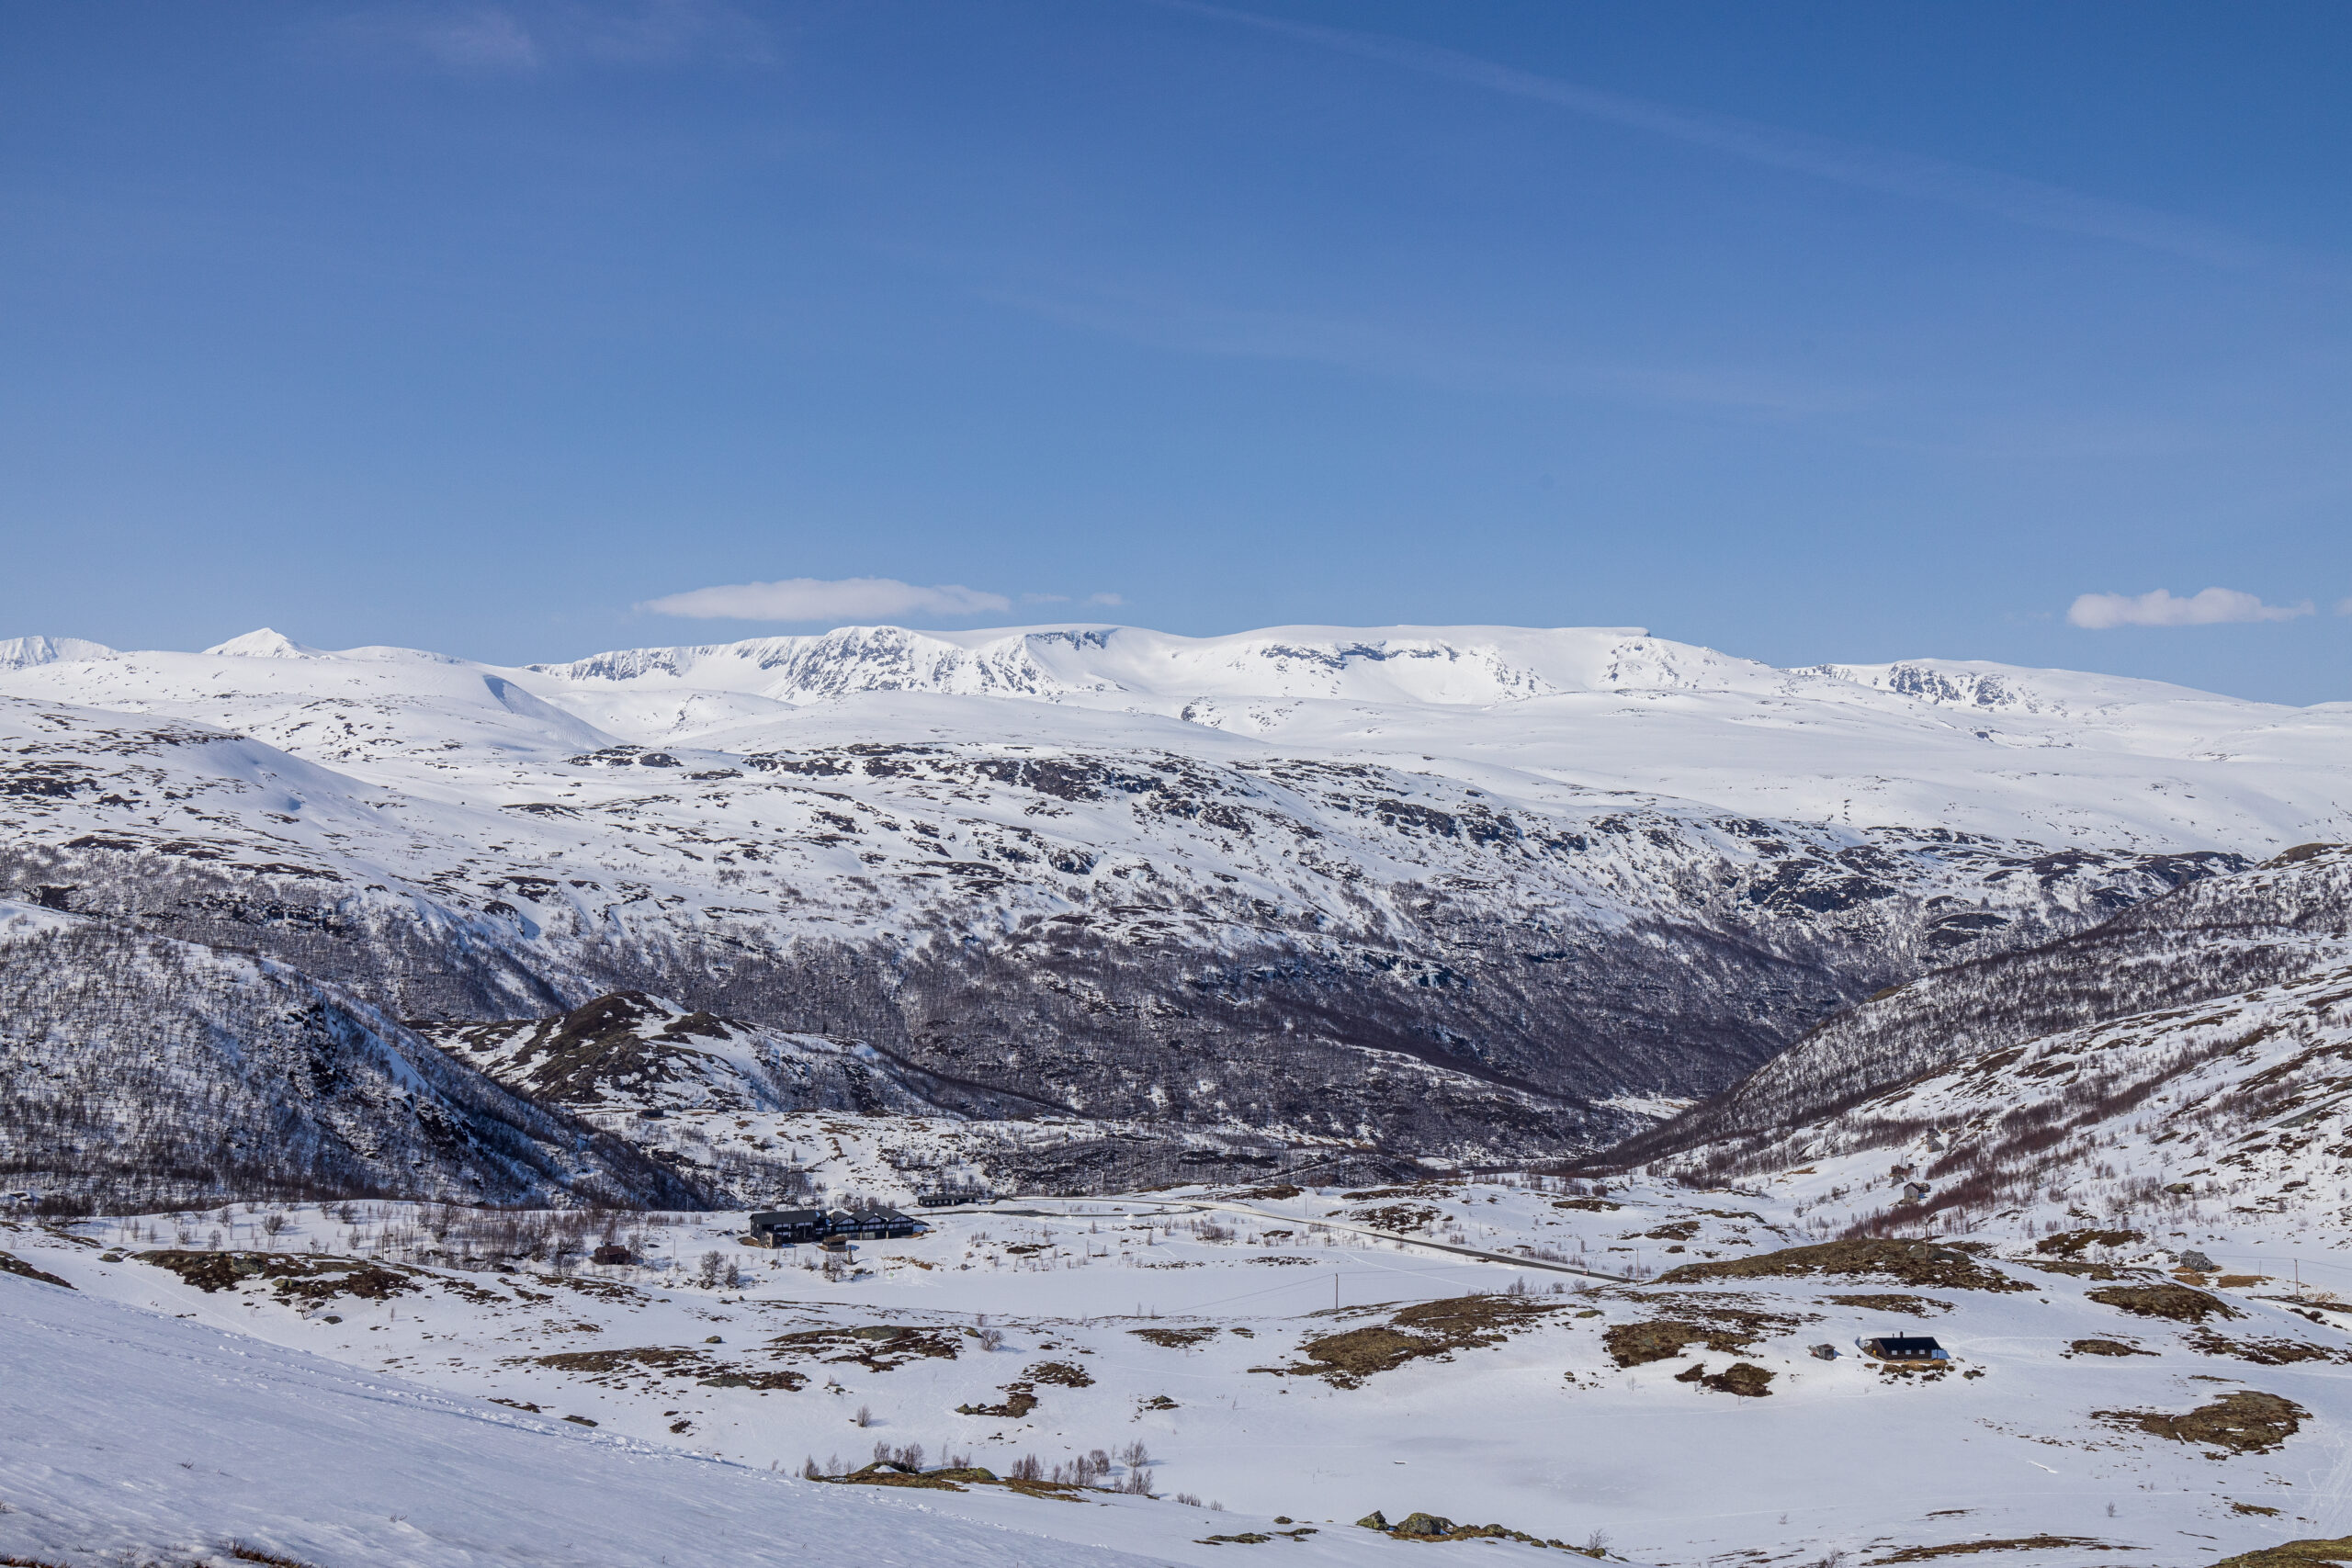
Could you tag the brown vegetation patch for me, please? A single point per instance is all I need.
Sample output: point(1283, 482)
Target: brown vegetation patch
point(2074, 1268)
point(2070, 1244)
point(2178, 1302)
point(1424, 1328)
point(1437, 1526)
point(2242, 1423)
point(785, 1380)
point(668, 1361)
point(879, 1348)
point(659, 1358)
point(1397, 1217)
point(245, 1552)
point(1174, 1338)
point(2262, 1352)
point(2293, 1554)
point(1909, 1307)
point(891, 1475)
point(2105, 1348)
point(1020, 1398)
point(1590, 1205)
point(1681, 1230)
point(11, 1264)
point(2014, 1544)
point(1061, 1374)
point(1360, 1352)
point(300, 1276)
point(1910, 1262)
point(1743, 1378)
point(1639, 1344)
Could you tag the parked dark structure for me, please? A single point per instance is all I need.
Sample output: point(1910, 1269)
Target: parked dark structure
point(1904, 1348)
point(784, 1227)
point(796, 1227)
point(943, 1197)
point(872, 1224)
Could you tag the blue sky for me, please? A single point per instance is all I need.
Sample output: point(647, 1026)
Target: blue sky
point(1808, 332)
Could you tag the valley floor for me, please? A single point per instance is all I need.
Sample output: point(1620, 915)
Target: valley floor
point(357, 1391)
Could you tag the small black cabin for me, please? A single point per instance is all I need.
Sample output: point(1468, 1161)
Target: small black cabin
point(1906, 1348)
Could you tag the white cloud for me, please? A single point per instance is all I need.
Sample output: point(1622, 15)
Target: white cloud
point(2098, 612)
point(1104, 599)
point(2343, 607)
point(814, 599)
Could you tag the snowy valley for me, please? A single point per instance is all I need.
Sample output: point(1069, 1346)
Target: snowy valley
point(1441, 1089)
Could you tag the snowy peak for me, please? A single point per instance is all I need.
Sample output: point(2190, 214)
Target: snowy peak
point(264, 644)
point(1450, 666)
point(24, 652)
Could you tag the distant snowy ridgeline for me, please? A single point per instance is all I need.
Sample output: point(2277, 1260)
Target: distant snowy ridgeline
point(1483, 893)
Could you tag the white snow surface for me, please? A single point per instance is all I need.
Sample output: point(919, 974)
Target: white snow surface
point(109, 1394)
point(2052, 756)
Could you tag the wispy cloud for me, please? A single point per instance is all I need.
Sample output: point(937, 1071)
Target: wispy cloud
point(2212, 606)
point(529, 36)
point(1988, 191)
point(1423, 355)
point(815, 599)
point(1105, 598)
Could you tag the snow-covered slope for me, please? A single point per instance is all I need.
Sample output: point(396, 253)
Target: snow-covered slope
point(1304, 1356)
point(137, 1072)
point(2219, 943)
point(1473, 890)
point(134, 1436)
point(631, 1052)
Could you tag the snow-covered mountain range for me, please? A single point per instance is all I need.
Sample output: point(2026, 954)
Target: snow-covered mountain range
point(1478, 891)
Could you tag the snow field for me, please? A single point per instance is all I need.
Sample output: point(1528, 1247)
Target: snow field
point(1541, 1430)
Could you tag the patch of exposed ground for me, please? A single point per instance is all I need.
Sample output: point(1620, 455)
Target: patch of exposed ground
point(12, 1264)
point(1437, 1526)
point(1717, 1326)
point(2070, 1244)
point(612, 1367)
point(2105, 1348)
point(2242, 1423)
point(1174, 1338)
point(1020, 1398)
point(1424, 1328)
point(2262, 1352)
point(2074, 1268)
point(1910, 1306)
point(300, 1276)
point(879, 1348)
point(2178, 1302)
point(1741, 1378)
point(1909, 1263)
point(2014, 1544)
point(2293, 1554)
point(1062, 1374)
point(1399, 1217)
